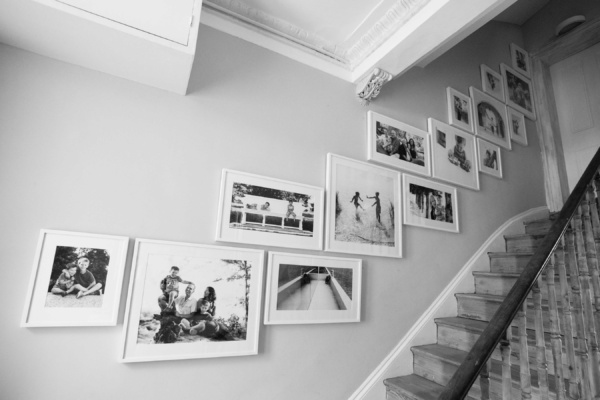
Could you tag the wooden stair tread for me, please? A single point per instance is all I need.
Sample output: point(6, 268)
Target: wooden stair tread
point(504, 254)
point(415, 387)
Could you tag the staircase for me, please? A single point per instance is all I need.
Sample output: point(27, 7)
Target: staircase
point(434, 364)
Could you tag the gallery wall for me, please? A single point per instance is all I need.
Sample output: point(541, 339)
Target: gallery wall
point(83, 151)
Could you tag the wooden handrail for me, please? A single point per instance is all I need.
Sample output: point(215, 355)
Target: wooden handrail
point(465, 376)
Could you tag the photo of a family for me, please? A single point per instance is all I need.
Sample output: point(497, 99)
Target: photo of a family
point(454, 155)
point(177, 309)
point(268, 211)
point(305, 289)
point(76, 274)
point(429, 204)
point(363, 206)
point(396, 144)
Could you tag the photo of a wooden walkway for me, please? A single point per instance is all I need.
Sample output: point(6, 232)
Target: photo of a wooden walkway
point(312, 291)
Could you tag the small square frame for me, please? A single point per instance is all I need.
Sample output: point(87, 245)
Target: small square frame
point(460, 110)
point(492, 83)
point(292, 299)
point(490, 160)
point(516, 126)
point(419, 206)
point(520, 60)
point(381, 145)
point(55, 251)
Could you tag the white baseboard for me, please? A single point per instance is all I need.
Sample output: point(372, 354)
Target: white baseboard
point(399, 361)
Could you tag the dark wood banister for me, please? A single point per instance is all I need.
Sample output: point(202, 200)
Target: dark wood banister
point(464, 377)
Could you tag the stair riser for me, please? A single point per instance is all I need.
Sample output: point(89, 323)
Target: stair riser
point(464, 340)
point(483, 310)
point(538, 227)
point(509, 263)
point(500, 286)
point(525, 244)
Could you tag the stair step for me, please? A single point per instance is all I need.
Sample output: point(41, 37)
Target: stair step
point(413, 387)
point(439, 363)
point(523, 243)
point(462, 333)
point(508, 262)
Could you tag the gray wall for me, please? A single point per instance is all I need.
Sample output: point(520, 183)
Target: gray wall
point(83, 151)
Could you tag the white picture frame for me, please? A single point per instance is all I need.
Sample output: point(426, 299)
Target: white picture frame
point(233, 273)
point(490, 118)
point(307, 289)
point(516, 126)
point(520, 60)
point(519, 91)
point(492, 82)
point(398, 145)
point(266, 211)
point(375, 229)
point(460, 110)
point(490, 158)
point(454, 155)
point(56, 296)
point(429, 204)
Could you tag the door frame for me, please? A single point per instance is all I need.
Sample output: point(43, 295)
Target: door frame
point(553, 160)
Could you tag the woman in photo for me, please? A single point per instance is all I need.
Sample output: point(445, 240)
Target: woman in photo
point(210, 296)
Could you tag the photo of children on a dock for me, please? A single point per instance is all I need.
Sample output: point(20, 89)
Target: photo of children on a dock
point(265, 209)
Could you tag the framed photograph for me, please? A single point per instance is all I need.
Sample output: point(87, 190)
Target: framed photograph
point(519, 91)
point(520, 60)
point(76, 280)
point(460, 112)
point(490, 161)
point(363, 202)
point(516, 126)
point(398, 145)
point(492, 82)
point(490, 118)
point(191, 301)
point(305, 289)
point(429, 204)
point(271, 212)
point(454, 155)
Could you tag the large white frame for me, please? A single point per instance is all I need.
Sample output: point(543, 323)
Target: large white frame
point(263, 230)
point(365, 178)
point(37, 314)
point(524, 94)
point(145, 255)
point(348, 306)
point(376, 156)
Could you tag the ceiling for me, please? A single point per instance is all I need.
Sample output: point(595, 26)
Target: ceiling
point(344, 38)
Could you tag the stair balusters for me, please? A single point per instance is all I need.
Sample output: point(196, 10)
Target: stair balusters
point(506, 365)
point(555, 339)
point(540, 342)
point(524, 352)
